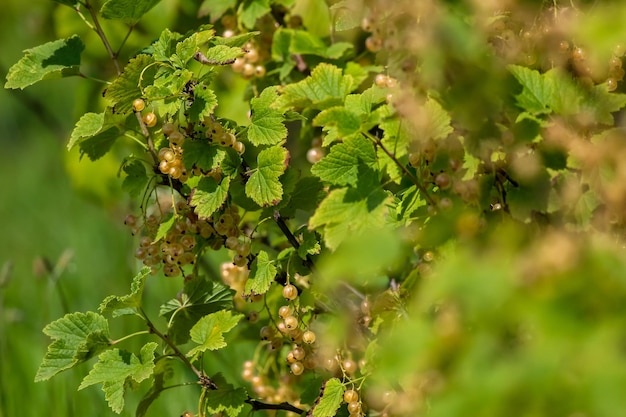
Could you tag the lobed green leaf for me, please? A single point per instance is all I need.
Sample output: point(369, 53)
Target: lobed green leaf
point(77, 338)
point(56, 59)
point(199, 298)
point(128, 86)
point(226, 400)
point(115, 367)
point(266, 125)
point(263, 185)
point(209, 196)
point(129, 302)
point(346, 211)
point(326, 87)
point(262, 274)
point(209, 331)
point(136, 178)
point(251, 10)
point(331, 399)
point(130, 11)
point(215, 8)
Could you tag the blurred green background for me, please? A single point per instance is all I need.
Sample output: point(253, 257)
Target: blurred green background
point(62, 211)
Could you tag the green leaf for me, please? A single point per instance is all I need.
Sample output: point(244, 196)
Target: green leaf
point(115, 367)
point(262, 274)
point(601, 104)
point(409, 203)
point(204, 101)
point(347, 211)
point(331, 399)
point(344, 17)
point(130, 11)
point(338, 50)
point(77, 338)
point(325, 87)
point(209, 331)
point(90, 124)
point(309, 245)
point(438, 121)
point(127, 87)
point(57, 59)
point(364, 103)
point(251, 10)
point(263, 185)
point(132, 301)
point(209, 196)
point(341, 165)
point(186, 49)
point(215, 8)
point(553, 91)
point(223, 54)
point(237, 40)
point(266, 126)
point(202, 154)
point(226, 399)
point(136, 178)
point(305, 196)
point(165, 226)
point(165, 46)
point(199, 298)
point(340, 120)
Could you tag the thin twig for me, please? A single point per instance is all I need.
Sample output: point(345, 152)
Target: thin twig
point(280, 222)
point(412, 177)
point(103, 38)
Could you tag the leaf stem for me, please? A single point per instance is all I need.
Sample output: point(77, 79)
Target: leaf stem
point(143, 145)
point(404, 169)
point(119, 49)
point(114, 342)
point(98, 28)
point(87, 77)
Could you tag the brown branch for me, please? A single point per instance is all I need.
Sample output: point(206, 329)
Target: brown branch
point(258, 405)
point(280, 222)
point(412, 177)
point(102, 36)
point(205, 380)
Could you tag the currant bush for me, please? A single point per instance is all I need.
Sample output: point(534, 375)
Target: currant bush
point(371, 209)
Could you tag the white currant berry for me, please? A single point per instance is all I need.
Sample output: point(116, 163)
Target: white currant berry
point(354, 407)
point(349, 366)
point(315, 154)
point(298, 353)
point(139, 104)
point(239, 147)
point(381, 80)
point(291, 322)
point(168, 128)
point(350, 395)
point(308, 337)
point(290, 292)
point(259, 71)
point(248, 70)
point(284, 311)
point(238, 64)
point(149, 119)
point(297, 368)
